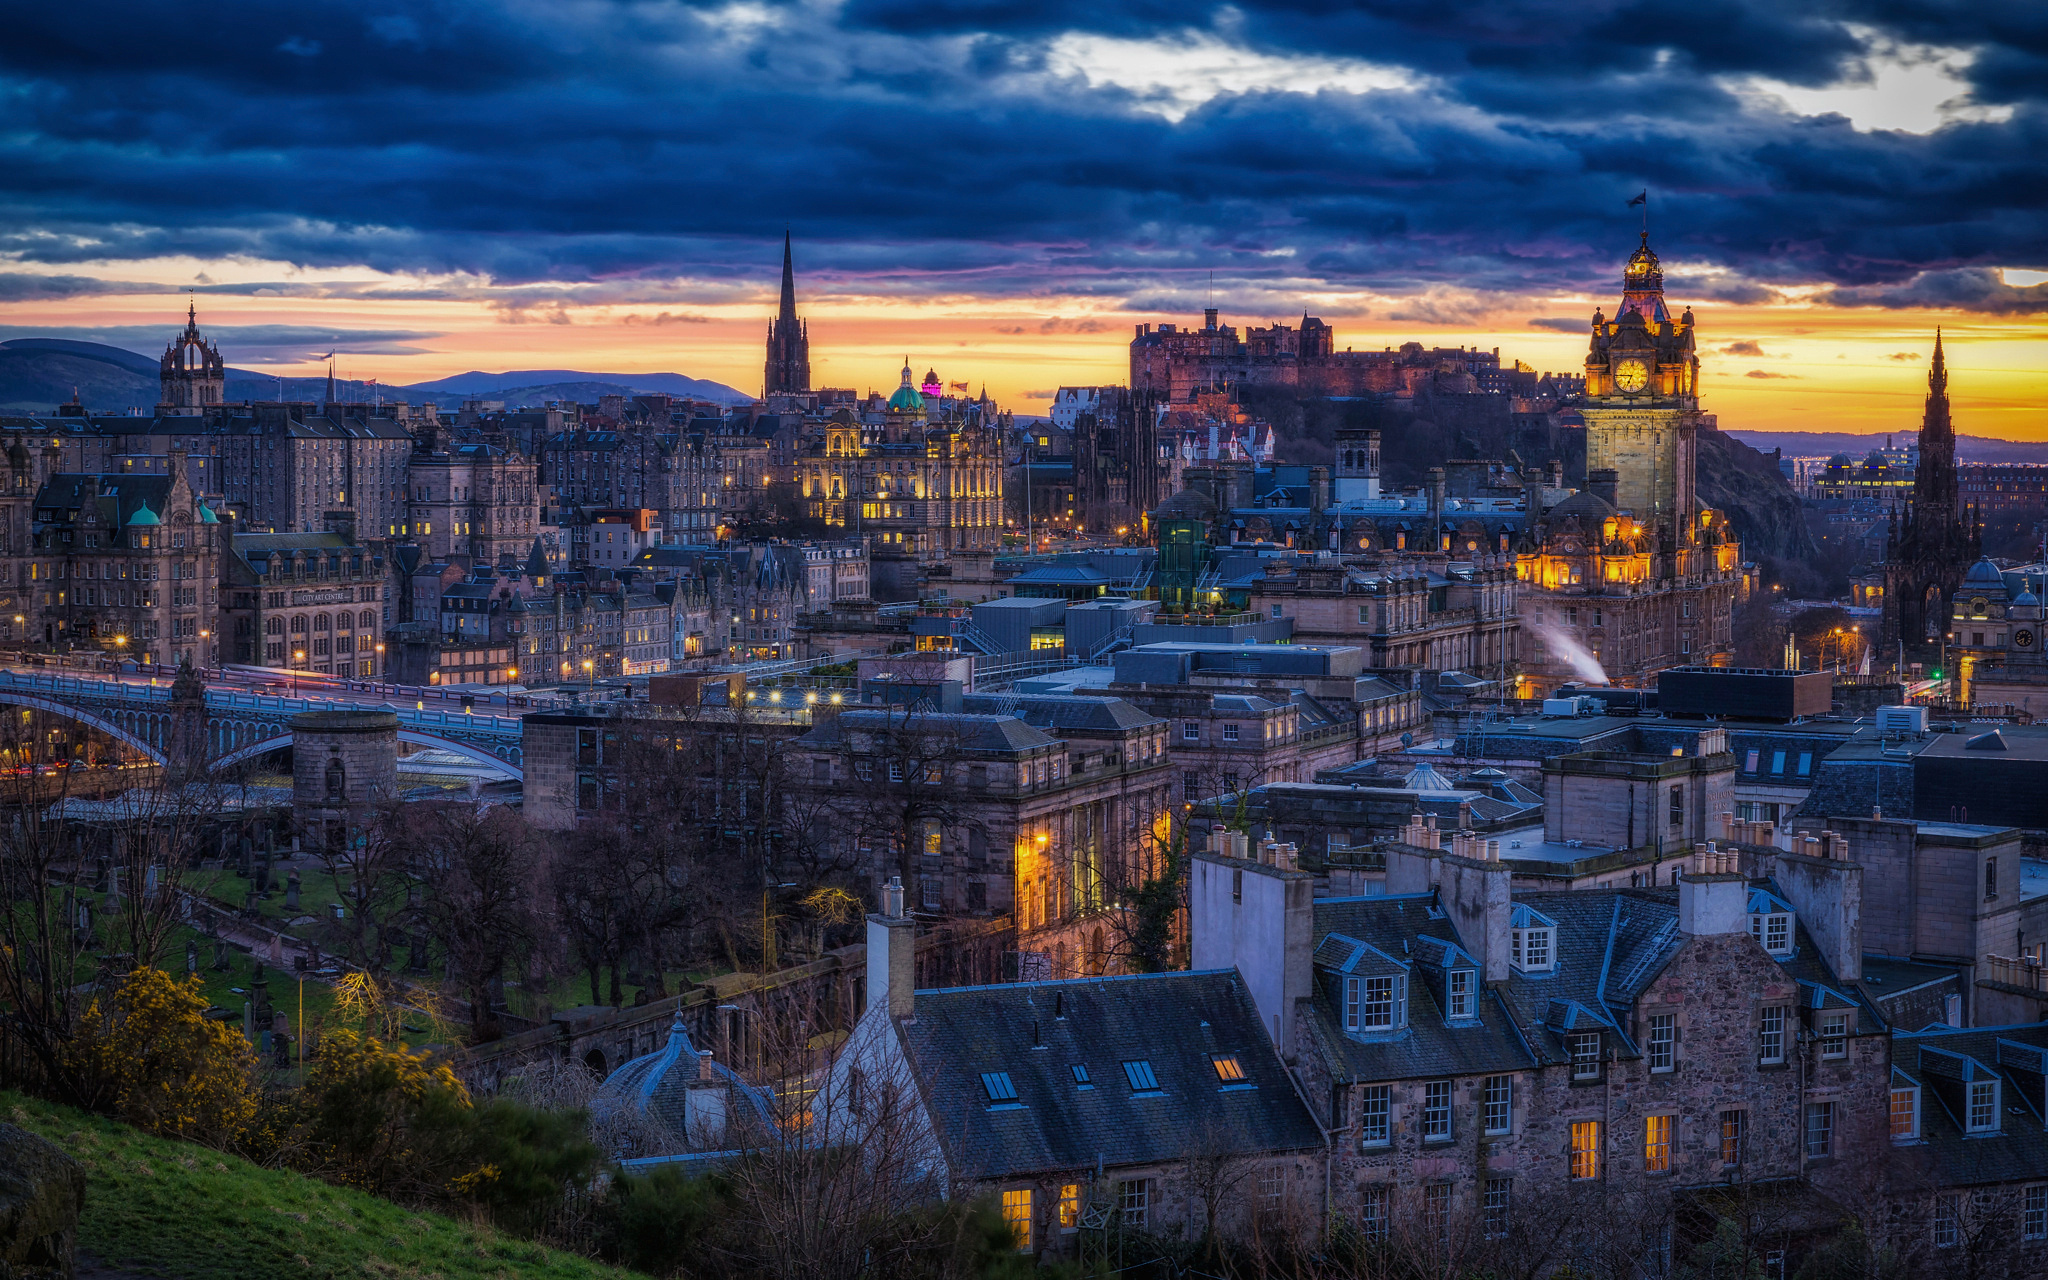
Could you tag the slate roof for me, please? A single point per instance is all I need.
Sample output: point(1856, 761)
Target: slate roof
point(2018, 1152)
point(1175, 1022)
point(1430, 1045)
point(974, 732)
point(1055, 712)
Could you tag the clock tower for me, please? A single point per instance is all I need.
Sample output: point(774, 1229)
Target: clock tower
point(1642, 409)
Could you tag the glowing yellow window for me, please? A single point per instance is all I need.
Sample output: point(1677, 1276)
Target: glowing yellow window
point(1228, 1069)
point(1586, 1149)
point(1017, 1212)
point(1656, 1144)
point(1070, 1205)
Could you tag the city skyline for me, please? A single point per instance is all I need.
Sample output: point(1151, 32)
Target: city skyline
point(1004, 194)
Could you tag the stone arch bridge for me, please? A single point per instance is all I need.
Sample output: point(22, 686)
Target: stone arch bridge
point(240, 726)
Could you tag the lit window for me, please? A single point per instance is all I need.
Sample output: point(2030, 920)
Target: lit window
point(1585, 1055)
point(1070, 1205)
point(1436, 1111)
point(1586, 1149)
point(1834, 1035)
point(1461, 993)
point(1732, 1125)
point(1663, 1037)
point(1375, 1112)
point(1983, 1106)
point(1228, 1069)
point(1771, 1035)
point(1499, 1103)
point(1820, 1130)
point(1017, 1212)
point(1657, 1144)
point(1905, 1114)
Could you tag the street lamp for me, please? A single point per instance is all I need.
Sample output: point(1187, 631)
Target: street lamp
point(590, 672)
point(298, 656)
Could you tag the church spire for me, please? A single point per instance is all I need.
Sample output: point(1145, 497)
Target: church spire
point(1937, 371)
point(787, 315)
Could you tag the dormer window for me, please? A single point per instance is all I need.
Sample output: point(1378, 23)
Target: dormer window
point(1533, 948)
point(1460, 987)
point(1585, 1047)
point(1983, 1116)
point(1774, 931)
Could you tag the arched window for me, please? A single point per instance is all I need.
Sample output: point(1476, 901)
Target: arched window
point(368, 619)
point(273, 627)
point(298, 624)
point(321, 622)
point(337, 780)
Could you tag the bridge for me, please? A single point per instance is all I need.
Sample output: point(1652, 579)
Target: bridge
point(243, 725)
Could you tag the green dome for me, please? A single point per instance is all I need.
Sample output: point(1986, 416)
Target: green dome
point(206, 515)
point(143, 515)
point(906, 400)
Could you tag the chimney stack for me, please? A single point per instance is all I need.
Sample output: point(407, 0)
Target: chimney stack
point(1713, 898)
point(892, 954)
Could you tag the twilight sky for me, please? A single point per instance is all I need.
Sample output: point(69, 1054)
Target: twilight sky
point(1002, 190)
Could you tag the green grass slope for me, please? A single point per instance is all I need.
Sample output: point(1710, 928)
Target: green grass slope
point(190, 1213)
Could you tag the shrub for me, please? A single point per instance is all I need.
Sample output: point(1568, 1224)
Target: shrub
point(380, 1116)
point(662, 1223)
point(149, 1054)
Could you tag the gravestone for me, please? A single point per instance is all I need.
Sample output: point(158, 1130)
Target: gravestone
point(291, 891)
point(245, 858)
point(221, 959)
point(191, 955)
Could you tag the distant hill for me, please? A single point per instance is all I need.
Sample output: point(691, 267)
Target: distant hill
point(1824, 444)
point(38, 374)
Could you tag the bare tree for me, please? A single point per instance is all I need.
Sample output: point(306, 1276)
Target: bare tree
point(483, 897)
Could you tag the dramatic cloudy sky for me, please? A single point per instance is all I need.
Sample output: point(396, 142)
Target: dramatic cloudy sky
point(1003, 189)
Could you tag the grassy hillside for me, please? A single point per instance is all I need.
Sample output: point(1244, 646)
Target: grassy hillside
point(187, 1212)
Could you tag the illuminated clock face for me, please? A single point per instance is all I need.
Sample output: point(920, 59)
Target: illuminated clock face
point(1630, 375)
point(2023, 638)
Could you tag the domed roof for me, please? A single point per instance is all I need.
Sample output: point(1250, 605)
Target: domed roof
point(1424, 777)
point(143, 516)
point(1590, 507)
point(658, 1083)
point(1984, 574)
point(907, 399)
point(1188, 504)
point(206, 515)
point(2024, 601)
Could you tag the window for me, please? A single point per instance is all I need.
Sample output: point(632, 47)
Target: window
point(1495, 1207)
point(1375, 1111)
point(1678, 806)
point(1657, 1144)
point(1190, 785)
point(1983, 1106)
point(1134, 1198)
point(1228, 1069)
point(1749, 762)
point(1436, 1111)
point(1834, 1035)
point(1532, 948)
point(1771, 1034)
point(1732, 1126)
point(1378, 1010)
point(895, 771)
point(1230, 733)
point(1777, 762)
point(1070, 1205)
point(1990, 879)
point(1461, 993)
point(2034, 1213)
point(1081, 1076)
point(1585, 1149)
point(1191, 731)
point(1139, 1073)
point(1351, 1004)
point(1820, 1130)
point(864, 770)
point(1905, 1115)
point(1273, 1186)
point(1498, 1103)
point(1017, 1212)
point(1585, 1047)
point(1436, 1211)
point(1663, 1036)
point(1778, 933)
point(1948, 1212)
point(1805, 763)
point(1372, 1213)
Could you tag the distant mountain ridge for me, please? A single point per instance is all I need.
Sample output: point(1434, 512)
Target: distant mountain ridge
point(38, 374)
point(1825, 444)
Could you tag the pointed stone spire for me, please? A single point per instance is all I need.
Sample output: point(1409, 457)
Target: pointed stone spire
point(787, 314)
point(1937, 371)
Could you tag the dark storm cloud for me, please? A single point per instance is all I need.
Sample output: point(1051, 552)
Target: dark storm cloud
point(546, 157)
point(251, 343)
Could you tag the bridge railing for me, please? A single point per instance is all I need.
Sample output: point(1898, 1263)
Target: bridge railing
point(229, 700)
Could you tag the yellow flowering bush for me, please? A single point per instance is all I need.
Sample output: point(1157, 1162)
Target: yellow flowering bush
point(150, 1054)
